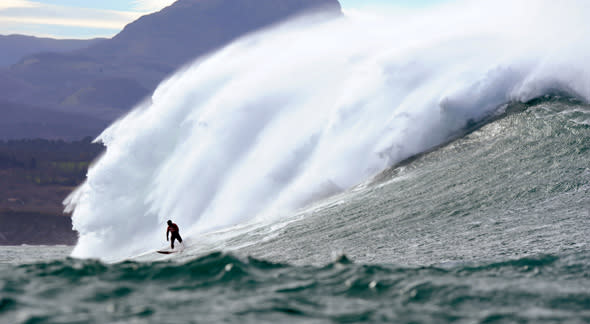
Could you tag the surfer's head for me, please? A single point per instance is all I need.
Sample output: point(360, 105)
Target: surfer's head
point(169, 222)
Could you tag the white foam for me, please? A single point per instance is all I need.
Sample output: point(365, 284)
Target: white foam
point(282, 118)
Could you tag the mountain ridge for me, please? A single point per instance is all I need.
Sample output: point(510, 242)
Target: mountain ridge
point(107, 78)
point(15, 47)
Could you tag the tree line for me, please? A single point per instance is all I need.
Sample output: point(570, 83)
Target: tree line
point(42, 161)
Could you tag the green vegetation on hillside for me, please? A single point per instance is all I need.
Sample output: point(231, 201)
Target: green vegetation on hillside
point(46, 162)
point(35, 177)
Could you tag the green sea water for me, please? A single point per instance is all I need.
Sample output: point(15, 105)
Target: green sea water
point(493, 227)
point(221, 288)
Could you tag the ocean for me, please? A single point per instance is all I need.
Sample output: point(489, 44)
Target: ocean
point(432, 174)
point(490, 228)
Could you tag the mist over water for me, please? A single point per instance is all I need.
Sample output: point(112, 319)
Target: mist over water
point(293, 114)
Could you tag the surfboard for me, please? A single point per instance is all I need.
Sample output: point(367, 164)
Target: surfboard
point(179, 249)
point(167, 252)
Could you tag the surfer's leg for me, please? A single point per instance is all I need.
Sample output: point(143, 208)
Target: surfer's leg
point(172, 242)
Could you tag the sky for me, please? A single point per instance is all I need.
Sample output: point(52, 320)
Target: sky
point(84, 19)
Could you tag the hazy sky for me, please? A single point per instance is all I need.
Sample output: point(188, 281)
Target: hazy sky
point(104, 18)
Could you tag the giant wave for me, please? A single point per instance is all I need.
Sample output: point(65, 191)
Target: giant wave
point(307, 109)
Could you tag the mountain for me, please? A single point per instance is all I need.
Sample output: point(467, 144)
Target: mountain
point(15, 47)
point(22, 121)
point(190, 28)
point(106, 79)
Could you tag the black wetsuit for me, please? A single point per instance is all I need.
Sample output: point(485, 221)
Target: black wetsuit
point(173, 229)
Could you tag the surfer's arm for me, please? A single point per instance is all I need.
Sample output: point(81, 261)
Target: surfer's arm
point(167, 231)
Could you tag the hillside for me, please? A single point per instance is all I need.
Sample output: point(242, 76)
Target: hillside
point(22, 121)
point(37, 175)
point(108, 78)
point(15, 47)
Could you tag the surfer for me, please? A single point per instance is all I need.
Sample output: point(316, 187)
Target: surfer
point(173, 228)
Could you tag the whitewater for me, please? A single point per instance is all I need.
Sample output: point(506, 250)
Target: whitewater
point(305, 110)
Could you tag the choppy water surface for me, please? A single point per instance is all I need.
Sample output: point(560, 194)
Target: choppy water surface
point(223, 288)
point(31, 253)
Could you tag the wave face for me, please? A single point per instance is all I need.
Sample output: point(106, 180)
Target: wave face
point(288, 116)
point(516, 187)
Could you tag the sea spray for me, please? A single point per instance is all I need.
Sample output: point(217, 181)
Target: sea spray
point(279, 119)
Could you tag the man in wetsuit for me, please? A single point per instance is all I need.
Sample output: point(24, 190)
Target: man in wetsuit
point(173, 229)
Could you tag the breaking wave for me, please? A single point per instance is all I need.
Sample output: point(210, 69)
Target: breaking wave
point(307, 109)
